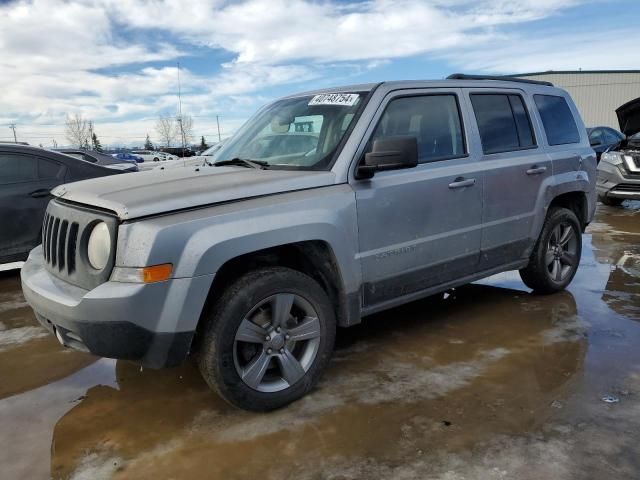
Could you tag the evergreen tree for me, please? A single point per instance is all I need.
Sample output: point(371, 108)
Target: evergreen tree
point(203, 144)
point(147, 143)
point(95, 143)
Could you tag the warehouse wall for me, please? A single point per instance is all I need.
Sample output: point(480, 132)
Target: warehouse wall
point(597, 95)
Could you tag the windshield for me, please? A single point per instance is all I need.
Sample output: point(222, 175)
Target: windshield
point(302, 132)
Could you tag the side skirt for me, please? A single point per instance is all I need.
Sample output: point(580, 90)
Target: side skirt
point(378, 307)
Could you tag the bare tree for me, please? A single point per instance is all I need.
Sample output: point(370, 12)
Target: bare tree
point(166, 130)
point(185, 128)
point(77, 131)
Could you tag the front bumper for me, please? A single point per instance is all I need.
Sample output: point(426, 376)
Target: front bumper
point(152, 324)
point(614, 183)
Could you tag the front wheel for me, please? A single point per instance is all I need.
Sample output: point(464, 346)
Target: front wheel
point(556, 255)
point(268, 339)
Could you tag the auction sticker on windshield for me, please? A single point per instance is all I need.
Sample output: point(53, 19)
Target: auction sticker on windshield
point(345, 99)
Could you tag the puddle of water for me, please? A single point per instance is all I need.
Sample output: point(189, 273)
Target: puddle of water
point(491, 382)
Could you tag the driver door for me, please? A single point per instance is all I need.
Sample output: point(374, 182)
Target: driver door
point(420, 227)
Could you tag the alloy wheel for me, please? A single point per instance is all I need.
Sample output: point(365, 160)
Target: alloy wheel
point(277, 342)
point(561, 256)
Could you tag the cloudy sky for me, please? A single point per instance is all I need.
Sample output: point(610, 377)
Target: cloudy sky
point(115, 61)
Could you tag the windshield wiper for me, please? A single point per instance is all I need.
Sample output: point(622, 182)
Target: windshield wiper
point(259, 164)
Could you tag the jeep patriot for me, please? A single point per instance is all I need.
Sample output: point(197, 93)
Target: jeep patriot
point(325, 207)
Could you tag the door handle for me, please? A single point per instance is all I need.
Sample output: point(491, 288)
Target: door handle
point(536, 170)
point(461, 183)
point(42, 192)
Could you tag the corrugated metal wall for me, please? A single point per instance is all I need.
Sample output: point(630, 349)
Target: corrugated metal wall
point(597, 95)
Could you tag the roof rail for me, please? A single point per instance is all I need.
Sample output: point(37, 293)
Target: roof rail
point(505, 78)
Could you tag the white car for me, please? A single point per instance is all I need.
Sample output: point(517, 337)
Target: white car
point(204, 159)
point(153, 156)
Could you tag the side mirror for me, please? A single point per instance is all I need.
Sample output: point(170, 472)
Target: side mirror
point(391, 153)
point(595, 143)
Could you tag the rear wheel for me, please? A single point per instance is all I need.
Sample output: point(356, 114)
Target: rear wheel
point(268, 338)
point(156, 159)
point(556, 255)
point(611, 202)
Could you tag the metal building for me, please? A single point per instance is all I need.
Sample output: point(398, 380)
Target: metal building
point(597, 93)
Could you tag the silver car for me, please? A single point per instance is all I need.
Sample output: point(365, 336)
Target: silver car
point(397, 191)
point(619, 168)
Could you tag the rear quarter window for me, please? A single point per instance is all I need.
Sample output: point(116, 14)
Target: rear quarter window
point(557, 119)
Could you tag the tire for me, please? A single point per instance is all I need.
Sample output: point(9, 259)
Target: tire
point(225, 359)
point(156, 159)
point(610, 202)
point(554, 260)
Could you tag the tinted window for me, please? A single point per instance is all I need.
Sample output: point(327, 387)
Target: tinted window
point(557, 120)
point(48, 169)
point(17, 168)
point(503, 122)
point(433, 119)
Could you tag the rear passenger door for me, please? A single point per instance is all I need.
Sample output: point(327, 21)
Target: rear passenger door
point(420, 227)
point(25, 182)
point(515, 169)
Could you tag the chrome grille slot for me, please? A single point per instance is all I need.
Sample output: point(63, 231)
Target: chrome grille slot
point(54, 242)
point(71, 247)
point(62, 243)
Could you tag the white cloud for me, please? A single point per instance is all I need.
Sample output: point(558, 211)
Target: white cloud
point(94, 57)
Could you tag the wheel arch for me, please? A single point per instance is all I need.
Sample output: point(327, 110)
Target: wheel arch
point(315, 258)
point(575, 201)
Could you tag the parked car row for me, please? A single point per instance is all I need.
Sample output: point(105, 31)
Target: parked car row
point(153, 156)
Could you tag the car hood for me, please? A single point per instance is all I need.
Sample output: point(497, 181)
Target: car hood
point(629, 117)
point(158, 191)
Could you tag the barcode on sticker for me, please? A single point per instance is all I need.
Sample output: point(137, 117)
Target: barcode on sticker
point(346, 99)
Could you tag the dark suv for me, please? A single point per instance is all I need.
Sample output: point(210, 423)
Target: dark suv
point(27, 174)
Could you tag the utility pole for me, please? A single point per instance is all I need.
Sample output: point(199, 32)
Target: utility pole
point(12, 126)
point(180, 110)
point(218, 122)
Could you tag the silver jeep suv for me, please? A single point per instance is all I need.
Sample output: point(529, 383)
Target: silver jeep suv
point(325, 207)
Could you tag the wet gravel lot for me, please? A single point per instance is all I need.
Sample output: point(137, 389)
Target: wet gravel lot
point(490, 382)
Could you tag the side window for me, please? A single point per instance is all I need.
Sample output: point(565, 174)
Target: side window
point(503, 122)
point(434, 120)
point(557, 120)
point(48, 169)
point(16, 168)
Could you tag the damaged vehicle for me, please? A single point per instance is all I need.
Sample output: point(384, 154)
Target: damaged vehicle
point(619, 168)
point(325, 207)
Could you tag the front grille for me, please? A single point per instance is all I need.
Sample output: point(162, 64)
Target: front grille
point(59, 243)
point(65, 235)
point(628, 187)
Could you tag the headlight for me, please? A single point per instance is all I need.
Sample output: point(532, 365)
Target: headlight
point(614, 158)
point(99, 247)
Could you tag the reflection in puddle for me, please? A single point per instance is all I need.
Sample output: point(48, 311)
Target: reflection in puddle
point(393, 383)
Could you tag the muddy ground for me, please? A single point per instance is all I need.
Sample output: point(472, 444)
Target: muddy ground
point(490, 382)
